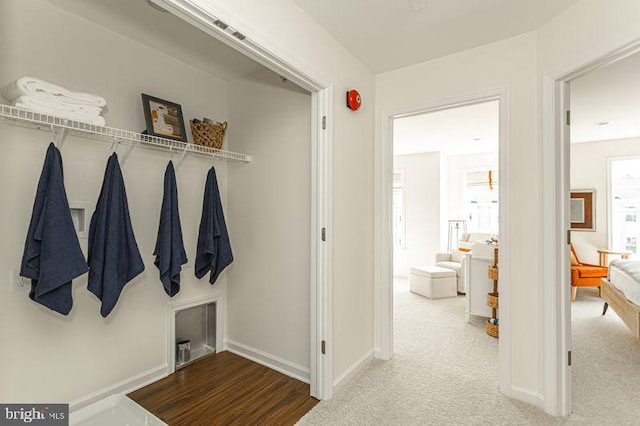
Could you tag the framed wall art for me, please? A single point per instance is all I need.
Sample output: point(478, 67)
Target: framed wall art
point(582, 210)
point(163, 118)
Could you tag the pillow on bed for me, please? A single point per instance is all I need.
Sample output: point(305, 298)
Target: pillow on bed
point(574, 260)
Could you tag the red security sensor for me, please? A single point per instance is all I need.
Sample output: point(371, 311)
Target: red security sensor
point(353, 100)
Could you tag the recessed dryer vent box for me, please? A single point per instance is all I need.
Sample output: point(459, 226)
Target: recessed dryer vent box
point(198, 325)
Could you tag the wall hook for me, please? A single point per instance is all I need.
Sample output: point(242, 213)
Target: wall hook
point(183, 156)
point(57, 139)
point(114, 144)
point(53, 132)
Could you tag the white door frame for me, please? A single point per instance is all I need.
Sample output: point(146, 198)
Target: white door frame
point(556, 194)
point(383, 224)
point(261, 50)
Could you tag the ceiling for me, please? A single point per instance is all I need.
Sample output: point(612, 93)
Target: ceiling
point(389, 34)
point(162, 31)
point(469, 129)
point(610, 94)
point(607, 95)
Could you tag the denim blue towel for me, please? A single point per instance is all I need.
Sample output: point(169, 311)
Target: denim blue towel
point(52, 255)
point(214, 250)
point(114, 258)
point(169, 252)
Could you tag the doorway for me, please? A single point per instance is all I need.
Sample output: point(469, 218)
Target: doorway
point(446, 221)
point(213, 22)
point(557, 122)
point(384, 252)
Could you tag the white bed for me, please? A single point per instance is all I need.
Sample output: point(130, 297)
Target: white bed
point(622, 291)
point(621, 275)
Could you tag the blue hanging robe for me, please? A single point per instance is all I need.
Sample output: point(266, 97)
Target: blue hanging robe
point(114, 258)
point(52, 256)
point(169, 251)
point(214, 249)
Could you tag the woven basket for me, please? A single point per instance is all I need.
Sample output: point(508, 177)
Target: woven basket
point(492, 300)
point(492, 329)
point(208, 134)
point(493, 272)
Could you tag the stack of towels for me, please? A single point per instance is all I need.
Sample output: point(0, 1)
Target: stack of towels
point(47, 98)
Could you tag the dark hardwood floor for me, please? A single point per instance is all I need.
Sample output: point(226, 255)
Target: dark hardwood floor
point(226, 389)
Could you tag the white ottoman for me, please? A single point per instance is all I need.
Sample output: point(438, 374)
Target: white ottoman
point(433, 282)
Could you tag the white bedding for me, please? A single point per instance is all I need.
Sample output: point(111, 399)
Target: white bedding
point(625, 276)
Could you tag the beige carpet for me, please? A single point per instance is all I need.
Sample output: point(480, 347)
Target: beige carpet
point(445, 372)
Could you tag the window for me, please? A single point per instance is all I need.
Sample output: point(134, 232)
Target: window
point(630, 244)
point(625, 203)
point(398, 209)
point(481, 195)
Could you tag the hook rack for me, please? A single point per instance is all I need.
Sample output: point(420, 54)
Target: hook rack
point(39, 120)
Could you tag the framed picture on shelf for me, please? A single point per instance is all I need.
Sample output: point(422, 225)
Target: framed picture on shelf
point(163, 118)
point(582, 210)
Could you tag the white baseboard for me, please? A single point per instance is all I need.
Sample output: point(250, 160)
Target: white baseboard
point(125, 386)
point(353, 370)
point(528, 396)
point(281, 365)
point(378, 354)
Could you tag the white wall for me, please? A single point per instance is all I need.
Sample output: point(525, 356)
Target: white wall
point(45, 356)
point(589, 171)
point(422, 211)
point(510, 63)
point(305, 44)
point(269, 212)
point(586, 31)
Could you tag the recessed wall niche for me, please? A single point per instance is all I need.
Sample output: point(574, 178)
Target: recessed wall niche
point(200, 322)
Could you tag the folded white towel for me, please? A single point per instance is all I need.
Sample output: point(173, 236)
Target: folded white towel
point(74, 116)
point(29, 86)
point(32, 102)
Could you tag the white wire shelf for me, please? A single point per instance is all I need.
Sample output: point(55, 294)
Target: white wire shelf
point(37, 119)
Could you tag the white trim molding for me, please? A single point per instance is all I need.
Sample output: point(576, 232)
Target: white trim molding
point(527, 395)
point(323, 296)
point(383, 237)
point(353, 370)
point(124, 386)
point(383, 250)
point(274, 362)
point(504, 255)
point(203, 13)
point(555, 253)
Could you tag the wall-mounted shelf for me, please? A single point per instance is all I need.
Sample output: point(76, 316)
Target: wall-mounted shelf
point(47, 122)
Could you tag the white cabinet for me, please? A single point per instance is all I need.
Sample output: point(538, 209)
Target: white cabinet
point(478, 285)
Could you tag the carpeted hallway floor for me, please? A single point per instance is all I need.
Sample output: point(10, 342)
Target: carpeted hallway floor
point(445, 372)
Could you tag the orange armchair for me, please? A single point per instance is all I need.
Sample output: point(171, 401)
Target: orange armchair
point(584, 275)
